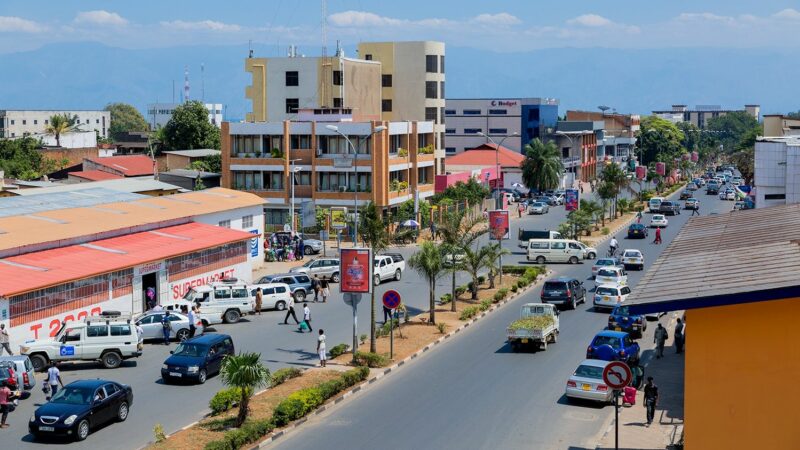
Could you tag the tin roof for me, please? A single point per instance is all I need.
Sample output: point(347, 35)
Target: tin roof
point(89, 196)
point(128, 165)
point(196, 153)
point(94, 175)
point(128, 184)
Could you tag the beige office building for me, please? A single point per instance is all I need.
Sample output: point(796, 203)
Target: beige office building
point(777, 125)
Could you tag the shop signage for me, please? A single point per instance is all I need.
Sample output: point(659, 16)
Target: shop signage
point(356, 270)
point(144, 269)
point(504, 103)
point(254, 244)
point(178, 290)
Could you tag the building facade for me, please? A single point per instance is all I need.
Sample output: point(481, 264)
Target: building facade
point(619, 133)
point(777, 171)
point(531, 118)
point(158, 114)
point(777, 125)
point(18, 123)
point(578, 141)
point(701, 114)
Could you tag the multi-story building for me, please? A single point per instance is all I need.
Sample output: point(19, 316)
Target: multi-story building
point(158, 114)
point(619, 133)
point(701, 114)
point(578, 141)
point(777, 171)
point(412, 84)
point(776, 125)
point(530, 118)
point(18, 123)
point(393, 165)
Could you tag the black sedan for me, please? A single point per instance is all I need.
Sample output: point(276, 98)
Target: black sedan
point(80, 407)
point(637, 231)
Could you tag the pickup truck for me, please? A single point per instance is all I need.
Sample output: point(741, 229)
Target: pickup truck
point(538, 325)
point(669, 208)
point(389, 266)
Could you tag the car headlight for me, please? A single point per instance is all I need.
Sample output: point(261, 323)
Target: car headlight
point(33, 417)
point(24, 349)
point(69, 420)
point(165, 367)
point(192, 369)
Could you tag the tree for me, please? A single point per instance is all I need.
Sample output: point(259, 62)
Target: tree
point(427, 262)
point(59, 124)
point(542, 166)
point(745, 162)
point(614, 176)
point(458, 231)
point(472, 191)
point(20, 159)
point(793, 115)
point(124, 119)
point(189, 128)
point(659, 139)
point(493, 261)
point(733, 128)
point(474, 261)
point(606, 192)
point(210, 163)
point(592, 208)
point(246, 372)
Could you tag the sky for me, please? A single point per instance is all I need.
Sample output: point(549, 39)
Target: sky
point(499, 25)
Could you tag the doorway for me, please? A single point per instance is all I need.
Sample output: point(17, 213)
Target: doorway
point(149, 290)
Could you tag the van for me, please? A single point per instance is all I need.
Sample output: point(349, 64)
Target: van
point(230, 298)
point(655, 204)
point(555, 250)
point(526, 235)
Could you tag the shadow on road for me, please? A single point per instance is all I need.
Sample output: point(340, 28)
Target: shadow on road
point(564, 400)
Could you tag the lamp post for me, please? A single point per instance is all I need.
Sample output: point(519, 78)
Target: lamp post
point(293, 170)
point(568, 136)
point(497, 162)
point(336, 130)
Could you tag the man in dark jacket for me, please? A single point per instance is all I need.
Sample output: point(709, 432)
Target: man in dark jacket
point(660, 338)
point(679, 336)
point(650, 399)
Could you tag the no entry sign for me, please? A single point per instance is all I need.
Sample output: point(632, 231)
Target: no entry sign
point(391, 299)
point(617, 375)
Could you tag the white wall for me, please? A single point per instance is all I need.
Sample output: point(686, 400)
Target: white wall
point(235, 217)
point(73, 140)
point(306, 91)
point(34, 121)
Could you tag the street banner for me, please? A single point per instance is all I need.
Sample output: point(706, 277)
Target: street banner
point(661, 168)
point(355, 270)
point(571, 201)
point(338, 218)
point(641, 172)
point(499, 225)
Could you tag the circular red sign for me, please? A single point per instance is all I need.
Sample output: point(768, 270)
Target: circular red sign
point(391, 299)
point(617, 375)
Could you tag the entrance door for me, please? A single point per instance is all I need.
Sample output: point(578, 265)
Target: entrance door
point(150, 290)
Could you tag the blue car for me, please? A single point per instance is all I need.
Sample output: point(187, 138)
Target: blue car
point(80, 407)
point(622, 320)
point(197, 358)
point(614, 346)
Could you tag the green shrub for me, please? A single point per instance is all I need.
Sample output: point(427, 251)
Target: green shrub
point(469, 312)
point(442, 327)
point(217, 445)
point(533, 272)
point(503, 291)
point(514, 288)
point(224, 400)
point(485, 304)
point(515, 270)
point(460, 291)
point(354, 376)
point(158, 432)
point(281, 375)
point(445, 299)
point(297, 405)
point(522, 283)
point(330, 388)
point(248, 433)
point(605, 231)
point(363, 338)
point(370, 359)
point(338, 350)
point(385, 329)
point(481, 279)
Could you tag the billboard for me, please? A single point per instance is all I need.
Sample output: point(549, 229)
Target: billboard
point(571, 197)
point(499, 225)
point(661, 168)
point(338, 218)
point(355, 270)
point(641, 172)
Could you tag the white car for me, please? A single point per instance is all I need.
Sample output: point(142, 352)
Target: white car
point(607, 296)
point(587, 382)
point(633, 258)
point(588, 252)
point(273, 295)
point(730, 195)
point(658, 221)
point(603, 262)
point(611, 275)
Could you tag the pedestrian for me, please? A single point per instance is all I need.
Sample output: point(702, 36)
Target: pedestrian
point(323, 357)
point(657, 240)
point(4, 345)
point(166, 327)
point(140, 333)
point(192, 320)
point(639, 217)
point(290, 312)
point(307, 317)
point(52, 381)
point(150, 293)
point(433, 230)
point(520, 208)
point(301, 249)
point(660, 338)
point(6, 398)
point(259, 301)
point(315, 287)
point(323, 284)
point(386, 313)
point(679, 336)
point(696, 209)
point(650, 399)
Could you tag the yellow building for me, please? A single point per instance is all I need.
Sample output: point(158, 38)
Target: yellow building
point(736, 277)
point(777, 125)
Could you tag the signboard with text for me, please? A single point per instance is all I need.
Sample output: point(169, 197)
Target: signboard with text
point(338, 218)
point(355, 270)
point(499, 228)
point(571, 200)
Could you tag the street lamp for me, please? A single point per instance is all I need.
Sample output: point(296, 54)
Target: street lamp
point(292, 172)
point(568, 136)
point(336, 130)
point(497, 162)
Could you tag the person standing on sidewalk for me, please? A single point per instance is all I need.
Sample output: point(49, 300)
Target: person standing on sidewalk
point(660, 338)
point(192, 320)
point(307, 317)
point(4, 345)
point(650, 399)
point(290, 312)
point(315, 287)
point(679, 336)
point(321, 348)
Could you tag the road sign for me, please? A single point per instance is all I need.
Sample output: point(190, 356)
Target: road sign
point(391, 299)
point(351, 298)
point(617, 375)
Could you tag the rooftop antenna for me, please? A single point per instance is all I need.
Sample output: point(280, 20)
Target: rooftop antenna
point(250, 48)
point(185, 83)
point(603, 108)
point(202, 82)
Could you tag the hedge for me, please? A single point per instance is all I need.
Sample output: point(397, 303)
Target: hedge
point(445, 299)
point(338, 350)
point(485, 304)
point(224, 400)
point(281, 375)
point(369, 359)
point(469, 312)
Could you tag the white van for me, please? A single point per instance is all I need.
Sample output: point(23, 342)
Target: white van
point(654, 204)
point(230, 299)
point(555, 250)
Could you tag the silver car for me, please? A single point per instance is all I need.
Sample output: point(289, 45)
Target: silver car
point(538, 208)
point(327, 268)
point(587, 382)
point(23, 367)
point(179, 324)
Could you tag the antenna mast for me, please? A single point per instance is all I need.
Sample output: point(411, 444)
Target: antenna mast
point(202, 82)
point(185, 83)
point(326, 63)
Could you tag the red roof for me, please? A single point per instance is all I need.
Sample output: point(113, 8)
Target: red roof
point(94, 175)
point(128, 165)
point(486, 155)
point(38, 270)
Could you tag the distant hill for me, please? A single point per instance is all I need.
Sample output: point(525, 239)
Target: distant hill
point(90, 75)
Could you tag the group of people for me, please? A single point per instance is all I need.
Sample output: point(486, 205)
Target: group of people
point(282, 248)
point(661, 335)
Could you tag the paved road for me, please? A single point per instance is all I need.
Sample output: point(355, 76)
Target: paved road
point(473, 392)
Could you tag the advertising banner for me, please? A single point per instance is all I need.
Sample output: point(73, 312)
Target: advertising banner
point(254, 244)
point(498, 225)
point(355, 270)
point(571, 200)
point(661, 168)
point(338, 218)
point(641, 172)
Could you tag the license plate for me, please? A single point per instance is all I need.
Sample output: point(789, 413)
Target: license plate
point(524, 341)
point(617, 329)
point(629, 260)
point(605, 299)
point(47, 429)
point(174, 374)
point(587, 387)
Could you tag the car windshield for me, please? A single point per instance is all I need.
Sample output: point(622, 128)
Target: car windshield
point(658, 217)
point(607, 273)
point(606, 340)
point(538, 204)
point(606, 291)
point(73, 396)
point(554, 286)
point(189, 295)
point(589, 372)
point(630, 254)
point(308, 264)
point(605, 262)
point(190, 350)
point(622, 311)
point(637, 226)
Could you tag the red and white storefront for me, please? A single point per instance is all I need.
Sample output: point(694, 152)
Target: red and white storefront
point(40, 290)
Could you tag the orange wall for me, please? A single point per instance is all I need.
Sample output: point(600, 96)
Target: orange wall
point(742, 367)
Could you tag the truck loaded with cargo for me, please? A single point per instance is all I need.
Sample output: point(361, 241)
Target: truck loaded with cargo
point(538, 324)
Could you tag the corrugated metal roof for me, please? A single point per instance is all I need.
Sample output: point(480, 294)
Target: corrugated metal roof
point(130, 184)
point(196, 153)
point(733, 253)
point(30, 204)
point(129, 165)
point(94, 175)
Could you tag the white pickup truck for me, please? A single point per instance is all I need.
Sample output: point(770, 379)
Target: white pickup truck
point(389, 266)
point(538, 324)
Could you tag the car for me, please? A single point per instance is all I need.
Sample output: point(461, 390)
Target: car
point(603, 262)
point(729, 194)
point(654, 204)
point(389, 266)
point(227, 300)
point(23, 368)
point(538, 208)
point(686, 194)
point(637, 231)
point(692, 187)
point(614, 346)
point(274, 295)
point(310, 246)
point(586, 382)
point(560, 197)
point(699, 182)
point(325, 268)
point(563, 291)
point(549, 200)
point(659, 221)
point(8, 375)
point(621, 319)
point(691, 203)
point(611, 275)
point(607, 296)
point(81, 406)
point(198, 358)
point(299, 283)
point(669, 208)
point(588, 252)
point(179, 323)
point(741, 205)
point(633, 258)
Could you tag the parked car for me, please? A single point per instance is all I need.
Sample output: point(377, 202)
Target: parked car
point(389, 266)
point(669, 208)
point(299, 283)
point(538, 208)
point(741, 205)
point(560, 197)
point(686, 194)
point(23, 369)
point(8, 375)
point(603, 262)
point(633, 258)
point(637, 231)
point(614, 346)
point(179, 323)
point(563, 291)
point(692, 203)
point(550, 200)
point(607, 296)
point(229, 300)
point(611, 275)
point(197, 358)
point(659, 221)
point(587, 383)
point(621, 319)
point(327, 268)
point(81, 406)
point(274, 295)
point(310, 246)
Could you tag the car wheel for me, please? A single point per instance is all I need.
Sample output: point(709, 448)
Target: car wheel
point(335, 277)
point(39, 363)
point(540, 260)
point(573, 260)
point(555, 336)
point(308, 251)
point(122, 412)
point(111, 360)
point(280, 306)
point(202, 376)
point(583, 298)
point(299, 295)
point(182, 334)
point(82, 430)
point(232, 316)
point(397, 275)
point(592, 255)
point(376, 280)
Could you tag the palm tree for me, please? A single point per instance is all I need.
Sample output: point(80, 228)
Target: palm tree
point(542, 167)
point(475, 261)
point(592, 208)
point(493, 261)
point(244, 371)
point(428, 263)
point(458, 231)
point(606, 192)
point(59, 124)
point(614, 176)
point(376, 235)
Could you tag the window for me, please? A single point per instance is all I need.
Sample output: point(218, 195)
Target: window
point(540, 245)
point(87, 121)
point(386, 105)
point(302, 179)
point(35, 122)
point(240, 293)
point(250, 181)
point(450, 149)
point(292, 78)
point(441, 89)
point(110, 389)
point(291, 105)
point(222, 293)
point(430, 114)
point(498, 131)
point(472, 130)
point(97, 331)
point(431, 89)
point(12, 121)
point(368, 57)
point(24, 122)
point(431, 63)
point(225, 223)
point(559, 246)
point(441, 64)
point(499, 112)
point(472, 112)
point(386, 80)
point(450, 130)
point(273, 181)
point(121, 330)
point(574, 246)
point(300, 141)
point(97, 121)
point(247, 221)
point(450, 112)
point(337, 77)
point(337, 102)
point(775, 197)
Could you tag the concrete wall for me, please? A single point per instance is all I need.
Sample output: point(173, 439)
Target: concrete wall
point(235, 217)
point(34, 122)
point(362, 91)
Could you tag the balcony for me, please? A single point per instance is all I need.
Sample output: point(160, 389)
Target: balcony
point(330, 195)
point(304, 155)
point(572, 161)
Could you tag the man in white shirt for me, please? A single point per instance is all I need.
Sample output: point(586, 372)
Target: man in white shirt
point(4, 340)
point(290, 312)
point(307, 316)
point(321, 348)
point(192, 320)
point(613, 245)
point(53, 380)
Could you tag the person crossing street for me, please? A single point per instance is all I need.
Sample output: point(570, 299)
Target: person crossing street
point(657, 240)
point(290, 312)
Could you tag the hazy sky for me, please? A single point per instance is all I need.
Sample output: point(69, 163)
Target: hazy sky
point(510, 25)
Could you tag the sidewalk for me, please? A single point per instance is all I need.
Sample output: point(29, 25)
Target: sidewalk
point(668, 375)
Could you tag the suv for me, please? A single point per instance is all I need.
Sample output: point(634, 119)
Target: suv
point(229, 299)
point(274, 295)
point(669, 208)
point(23, 368)
point(299, 283)
point(108, 339)
point(563, 291)
point(197, 358)
point(327, 268)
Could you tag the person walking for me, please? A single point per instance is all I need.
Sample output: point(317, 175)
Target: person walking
point(657, 240)
point(4, 339)
point(679, 336)
point(520, 208)
point(315, 287)
point(324, 287)
point(166, 327)
point(301, 249)
point(660, 338)
point(696, 210)
point(290, 312)
point(6, 398)
point(639, 217)
point(259, 301)
point(192, 320)
point(387, 314)
point(321, 348)
point(307, 317)
point(650, 399)
point(433, 230)
point(52, 381)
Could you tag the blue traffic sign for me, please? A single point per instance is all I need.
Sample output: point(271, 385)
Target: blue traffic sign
point(391, 299)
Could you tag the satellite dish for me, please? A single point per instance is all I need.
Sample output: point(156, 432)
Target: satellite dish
point(603, 108)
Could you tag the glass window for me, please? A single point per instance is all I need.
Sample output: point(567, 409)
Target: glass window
point(430, 114)
point(97, 331)
point(450, 130)
point(441, 64)
point(450, 149)
point(121, 330)
point(441, 89)
point(337, 77)
point(225, 223)
point(472, 130)
point(303, 279)
point(431, 89)
point(239, 292)
point(559, 246)
point(291, 105)
point(222, 293)
point(540, 245)
point(111, 389)
point(472, 112)
point(337, 102)
point(498, 131)
point(247, 221)
point(589, 372)
point(574, 246)
point(386, 80)
point(498, 112)
point(386, 105)
point(292, 78)
point(280, 289)
point(450, 112)
point(431, 63)
point(368, 57)
point(300, 141)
